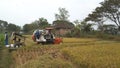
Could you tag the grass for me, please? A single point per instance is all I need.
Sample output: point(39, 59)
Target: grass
point(72, 53)
point(5, 58)
point(47, 61)
point(94, 56)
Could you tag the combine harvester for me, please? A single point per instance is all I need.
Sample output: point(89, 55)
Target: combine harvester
point(45, 37)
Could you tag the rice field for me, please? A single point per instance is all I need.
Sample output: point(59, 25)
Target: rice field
point(72, 53)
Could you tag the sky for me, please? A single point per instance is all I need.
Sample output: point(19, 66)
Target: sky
point(21, 12)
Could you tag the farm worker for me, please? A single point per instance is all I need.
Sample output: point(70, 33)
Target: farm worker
point(6, 39)
point(49, 36)
point(37, 34)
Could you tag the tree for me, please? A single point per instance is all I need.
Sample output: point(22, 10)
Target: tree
point(62, 20)
point(110, 29)
point(97, 17)
point(83, 26)
point(3, 26)
point(62, 15)
point(27, 28)
point(111, 10)
point(81, 29)
point(12, 27)
point(41, 23)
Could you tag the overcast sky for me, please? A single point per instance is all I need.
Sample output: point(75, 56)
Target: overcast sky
point(22, 12)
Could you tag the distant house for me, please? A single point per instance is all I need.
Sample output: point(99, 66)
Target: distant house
point(62, 27)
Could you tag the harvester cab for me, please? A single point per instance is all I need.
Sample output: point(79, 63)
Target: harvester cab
point(45, 37)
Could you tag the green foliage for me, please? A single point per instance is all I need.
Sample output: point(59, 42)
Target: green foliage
point(1, 39)
point(12, 27)
point(42, 23)
point(81, 29)
point(3, 26)
point(63, 14)
point(108, 37)
point(109, 9)
point(97, 17)
point(83, 26)
point(110, 29)
point(27, 28)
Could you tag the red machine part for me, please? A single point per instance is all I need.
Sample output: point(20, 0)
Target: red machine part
point(57, 41)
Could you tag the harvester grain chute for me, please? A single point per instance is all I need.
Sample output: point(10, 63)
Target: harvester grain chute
point(45, 37)
point(17, 40)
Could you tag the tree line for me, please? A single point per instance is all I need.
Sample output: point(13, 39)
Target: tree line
point(8, 27)
point(60, 19)
point(108, 11)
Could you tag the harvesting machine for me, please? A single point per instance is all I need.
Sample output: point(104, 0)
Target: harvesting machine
point(45, 37)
